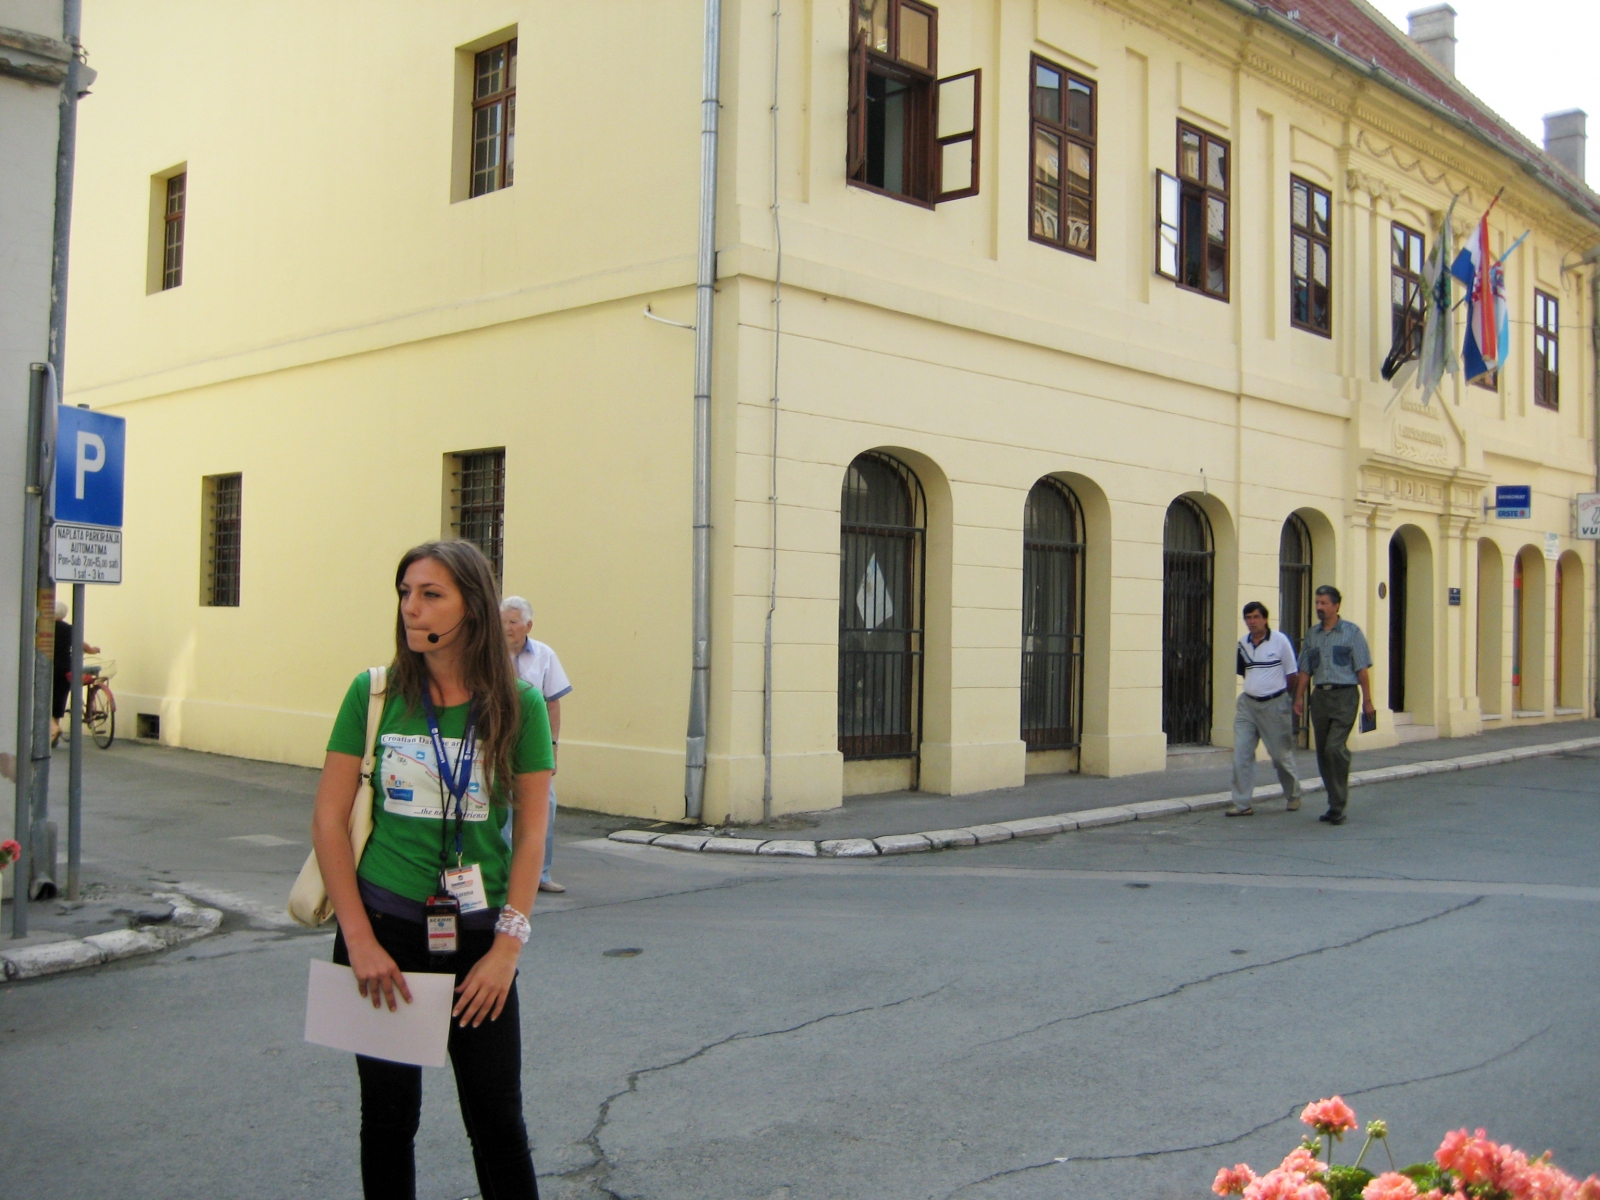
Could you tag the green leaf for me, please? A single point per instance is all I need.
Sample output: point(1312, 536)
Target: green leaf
point(1345, 1183)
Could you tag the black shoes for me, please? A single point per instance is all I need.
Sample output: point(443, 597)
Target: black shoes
point(1332, 818)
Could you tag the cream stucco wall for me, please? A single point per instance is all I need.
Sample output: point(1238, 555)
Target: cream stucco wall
point(343, 323)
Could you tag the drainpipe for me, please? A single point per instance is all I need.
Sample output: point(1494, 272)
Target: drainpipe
point(694, 783)
point(1592, 258)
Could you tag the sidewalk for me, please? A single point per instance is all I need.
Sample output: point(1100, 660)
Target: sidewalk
point(1046, 795)
point(108, 923)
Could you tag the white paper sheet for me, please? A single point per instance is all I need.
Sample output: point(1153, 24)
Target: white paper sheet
point(337, 1015)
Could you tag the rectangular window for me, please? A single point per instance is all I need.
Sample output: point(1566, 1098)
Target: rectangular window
point(478, 502)
point(223, 501)
point(1063, 159)
point(1407, 251)
point(912, 135)
point(1311, 257)
point(494, 117)
point(1203, 170)
point(172, 231)
point(1546, 350)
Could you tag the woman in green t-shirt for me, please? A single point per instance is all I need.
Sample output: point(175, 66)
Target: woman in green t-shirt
point(460, 739)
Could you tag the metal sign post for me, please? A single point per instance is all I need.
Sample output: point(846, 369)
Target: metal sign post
point(87, 538)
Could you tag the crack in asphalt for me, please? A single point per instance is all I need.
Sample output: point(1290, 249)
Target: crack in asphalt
point(597, 1171)
point(1062, 1160)
point(1193, 983)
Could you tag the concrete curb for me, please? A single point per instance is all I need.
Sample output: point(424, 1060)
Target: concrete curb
point(189, 922)
point(1004, 831)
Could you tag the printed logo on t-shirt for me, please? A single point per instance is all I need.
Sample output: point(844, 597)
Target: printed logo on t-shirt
point(411, 784)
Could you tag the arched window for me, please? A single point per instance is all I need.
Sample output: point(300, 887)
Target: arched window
point(1294, 581)
point(1186, 625)
point(881, 526)
point(1052, 618)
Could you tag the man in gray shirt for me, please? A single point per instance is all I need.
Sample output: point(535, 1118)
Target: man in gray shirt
point(1334, 661)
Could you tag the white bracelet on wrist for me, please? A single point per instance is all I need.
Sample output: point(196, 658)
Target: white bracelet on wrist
point(514, 923)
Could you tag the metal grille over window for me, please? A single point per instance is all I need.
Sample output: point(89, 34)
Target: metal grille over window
point(480, 502)
point(1186, 625)
point(1406, 255)
point(1201, 219)
point(1311, 255)
point(1294, 593)
point(881, 529)
point(1546, 351)
point(225, 510)
point(172, 235)
point(1052, 618)
point(494, 118)
point(1063, 159)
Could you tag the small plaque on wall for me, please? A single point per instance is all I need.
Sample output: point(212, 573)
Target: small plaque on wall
point(1455, 597)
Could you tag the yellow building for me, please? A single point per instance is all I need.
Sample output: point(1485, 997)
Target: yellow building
point(1020, 478)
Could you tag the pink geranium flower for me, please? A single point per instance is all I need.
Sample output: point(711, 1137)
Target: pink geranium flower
point(1332, 1116)
point(1391, 1185)
point(1300, 1161)
point(1281, 1184)
point(1231, 1181)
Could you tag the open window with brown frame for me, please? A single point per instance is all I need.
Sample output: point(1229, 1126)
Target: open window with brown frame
point(494, 117)
point(1407, 253)
point(1193, 239)
point(1546, 350)
point(1310, 257)
point(1062, 158)
point(912, 135)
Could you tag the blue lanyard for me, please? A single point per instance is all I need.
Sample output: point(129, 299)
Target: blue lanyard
point(457, 780)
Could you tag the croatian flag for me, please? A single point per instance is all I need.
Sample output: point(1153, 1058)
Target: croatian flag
point(1488, 320)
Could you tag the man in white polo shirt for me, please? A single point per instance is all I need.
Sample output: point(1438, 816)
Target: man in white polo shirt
point(1265, 710)
point(538, 664)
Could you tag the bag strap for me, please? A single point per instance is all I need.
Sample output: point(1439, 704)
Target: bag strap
point(377, 678)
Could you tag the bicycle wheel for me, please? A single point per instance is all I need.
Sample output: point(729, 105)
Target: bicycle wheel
point(100, 715)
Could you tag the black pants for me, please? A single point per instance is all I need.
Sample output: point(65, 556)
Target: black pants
point(488, 1068)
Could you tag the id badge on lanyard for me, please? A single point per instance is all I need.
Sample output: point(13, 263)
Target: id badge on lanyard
point(456, 891)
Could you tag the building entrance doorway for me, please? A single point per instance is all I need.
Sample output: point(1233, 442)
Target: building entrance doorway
point(1186, 604)
point(1398, 565)
point(1295, 611)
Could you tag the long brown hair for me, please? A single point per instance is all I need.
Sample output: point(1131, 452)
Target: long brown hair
point(485, 662)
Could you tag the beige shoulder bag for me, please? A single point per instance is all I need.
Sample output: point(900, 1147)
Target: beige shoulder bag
point(308, 900)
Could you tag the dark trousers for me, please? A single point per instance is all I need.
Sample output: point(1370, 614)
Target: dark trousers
point(488, 1068)
point(1333, 715)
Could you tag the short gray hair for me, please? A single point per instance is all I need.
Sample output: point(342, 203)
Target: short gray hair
point(518, 603)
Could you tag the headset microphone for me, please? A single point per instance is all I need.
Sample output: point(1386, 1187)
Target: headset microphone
point(434, 637)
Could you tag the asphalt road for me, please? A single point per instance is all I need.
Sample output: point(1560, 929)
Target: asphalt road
point(1115, 1012)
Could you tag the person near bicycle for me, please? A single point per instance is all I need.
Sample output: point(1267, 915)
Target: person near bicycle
point(61, 690)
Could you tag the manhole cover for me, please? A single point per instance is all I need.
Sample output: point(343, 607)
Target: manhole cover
point(1136, 885)
point(624, 952)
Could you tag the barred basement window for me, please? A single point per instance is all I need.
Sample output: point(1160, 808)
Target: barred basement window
point(1546, 351)
point(494, 118)
point(478, 502)
point(1052, 618)
point(1311, 257)
point(223, 517)
point(882, 523)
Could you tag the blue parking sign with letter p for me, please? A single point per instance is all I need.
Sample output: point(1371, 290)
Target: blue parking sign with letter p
point(89, 454)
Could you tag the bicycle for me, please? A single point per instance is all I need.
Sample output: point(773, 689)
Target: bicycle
point(99, 702)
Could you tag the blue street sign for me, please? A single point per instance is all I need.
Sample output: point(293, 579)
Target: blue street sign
point(89, 449)
point(1513, 502)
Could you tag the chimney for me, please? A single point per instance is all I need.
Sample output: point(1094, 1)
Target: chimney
point(1564, 138)
point(1434, 32)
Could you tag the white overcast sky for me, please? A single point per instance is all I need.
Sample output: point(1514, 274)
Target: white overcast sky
point(1525, 58)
